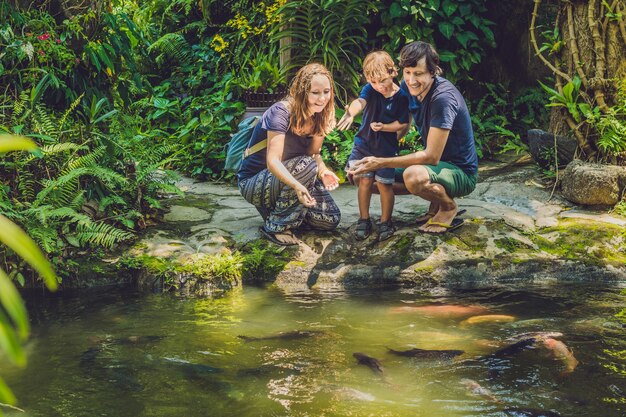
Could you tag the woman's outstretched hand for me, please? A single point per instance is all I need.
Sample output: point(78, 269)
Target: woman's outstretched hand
point(304, 197)
point(329, 179)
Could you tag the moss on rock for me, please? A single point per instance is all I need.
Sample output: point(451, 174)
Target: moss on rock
point(585, 241)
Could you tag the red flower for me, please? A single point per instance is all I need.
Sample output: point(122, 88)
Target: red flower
point(42, 53)
point(58, 40)
point(44, 37)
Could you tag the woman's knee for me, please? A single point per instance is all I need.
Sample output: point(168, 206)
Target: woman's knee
point(303, 168)
point(331, 222)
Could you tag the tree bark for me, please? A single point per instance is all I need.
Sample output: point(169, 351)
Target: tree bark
point(594, 49)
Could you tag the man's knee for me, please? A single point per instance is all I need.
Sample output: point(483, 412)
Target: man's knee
point(415, 177)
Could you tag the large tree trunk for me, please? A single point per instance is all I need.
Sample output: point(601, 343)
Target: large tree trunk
point(594, 49)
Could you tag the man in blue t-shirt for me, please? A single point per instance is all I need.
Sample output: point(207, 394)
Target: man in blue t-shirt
point(447, 168)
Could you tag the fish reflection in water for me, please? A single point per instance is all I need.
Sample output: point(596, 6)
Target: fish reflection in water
point(529, 412)
point(475, 388)
point(122, 374)
point(351, 394)
point(292, 335)
point(428, 354)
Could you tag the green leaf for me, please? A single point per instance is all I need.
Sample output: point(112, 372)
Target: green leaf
point(6, 396)
point(434, 4)
point(463, 38)
point(15, 238)
point(14, 306)
point(446, 29)
point(568, 91)
point(447, 56)
point(16, 143)
point(9, 342)
point(465, 9)
point(396, 11)
point(449, 7)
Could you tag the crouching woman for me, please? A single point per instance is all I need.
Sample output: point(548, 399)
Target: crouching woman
point(287, 181)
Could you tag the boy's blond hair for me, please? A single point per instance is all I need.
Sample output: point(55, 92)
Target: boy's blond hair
point(378, 65)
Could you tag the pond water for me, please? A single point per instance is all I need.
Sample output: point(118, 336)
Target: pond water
point(120, 354)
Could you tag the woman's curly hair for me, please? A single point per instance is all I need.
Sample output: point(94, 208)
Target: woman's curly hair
point(324, 121)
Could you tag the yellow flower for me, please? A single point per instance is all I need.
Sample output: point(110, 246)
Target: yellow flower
point(218, 43)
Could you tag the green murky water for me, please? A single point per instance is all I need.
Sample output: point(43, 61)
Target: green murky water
point(157, 355)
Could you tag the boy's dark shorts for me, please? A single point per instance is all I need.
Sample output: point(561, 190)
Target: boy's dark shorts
point(456, 182)
point(382, 176)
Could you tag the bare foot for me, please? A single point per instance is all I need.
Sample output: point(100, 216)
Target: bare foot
point(442, 216)
point(432, 210)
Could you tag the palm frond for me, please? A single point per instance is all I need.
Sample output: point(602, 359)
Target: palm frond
point(100, 234)
point(171, 47)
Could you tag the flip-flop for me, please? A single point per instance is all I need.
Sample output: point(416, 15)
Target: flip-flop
point(456, 223)
point(422, 221)
point(270, 236)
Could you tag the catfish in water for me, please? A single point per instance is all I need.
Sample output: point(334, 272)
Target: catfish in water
point(428, 354)
point(292, 335)
point(372, 363)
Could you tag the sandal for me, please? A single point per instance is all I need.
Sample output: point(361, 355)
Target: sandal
point(363, 229)
point(424, 218)
point(455, 224)
point(385, 230)
point(272, 238)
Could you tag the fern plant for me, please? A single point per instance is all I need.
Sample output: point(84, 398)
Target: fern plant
point(171, 47)
point(331, 32)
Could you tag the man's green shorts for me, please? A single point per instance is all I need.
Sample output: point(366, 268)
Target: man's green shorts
point(455, 181)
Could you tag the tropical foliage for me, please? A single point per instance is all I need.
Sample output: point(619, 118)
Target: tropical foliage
point(460, 30)
point(118, 98)
point(14, 326)
point(585, 52)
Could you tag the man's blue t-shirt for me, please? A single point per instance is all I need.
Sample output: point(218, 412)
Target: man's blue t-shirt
point(445, 108)
point(385, 110)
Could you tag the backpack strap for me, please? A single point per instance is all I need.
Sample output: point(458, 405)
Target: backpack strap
point(255, 148)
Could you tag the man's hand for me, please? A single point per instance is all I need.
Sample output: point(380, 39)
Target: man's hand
point(367, 164)
point(329, 179)
point(377, 126)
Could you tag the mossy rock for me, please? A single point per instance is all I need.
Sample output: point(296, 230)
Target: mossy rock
point(582, 240)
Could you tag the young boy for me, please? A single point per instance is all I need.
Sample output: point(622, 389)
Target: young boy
point(385, 112)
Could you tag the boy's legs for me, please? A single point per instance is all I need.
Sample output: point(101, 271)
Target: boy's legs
point(385, 183)
point(387, 199)
point(364, 195)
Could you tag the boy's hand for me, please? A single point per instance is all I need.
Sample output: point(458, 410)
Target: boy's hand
point(345, 122)
point(377, 126)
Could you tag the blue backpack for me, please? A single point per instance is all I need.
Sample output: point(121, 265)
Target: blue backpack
point(238, 144)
